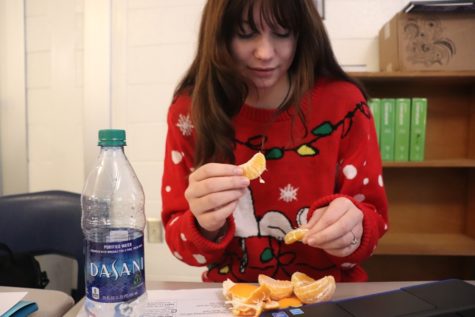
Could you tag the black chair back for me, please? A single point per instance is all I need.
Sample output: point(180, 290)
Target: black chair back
point(46, 222)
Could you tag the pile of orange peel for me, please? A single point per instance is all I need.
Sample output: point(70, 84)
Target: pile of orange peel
point(251, 300)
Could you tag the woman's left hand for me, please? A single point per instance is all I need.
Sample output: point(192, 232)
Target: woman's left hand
point(336, 228)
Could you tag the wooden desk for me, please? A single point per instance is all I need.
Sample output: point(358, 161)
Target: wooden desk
point(50, 303)
point(343, 290)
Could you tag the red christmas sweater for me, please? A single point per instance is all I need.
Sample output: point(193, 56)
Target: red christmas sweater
point(338, 156)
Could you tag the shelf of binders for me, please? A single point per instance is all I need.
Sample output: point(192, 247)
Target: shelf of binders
point(450, 129)
point(401, 127)
point(431, 201)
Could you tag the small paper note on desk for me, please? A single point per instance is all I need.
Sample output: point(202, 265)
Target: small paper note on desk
point(12, 305)
point(207, 302)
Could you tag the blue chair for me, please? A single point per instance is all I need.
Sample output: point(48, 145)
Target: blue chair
point(47, 222)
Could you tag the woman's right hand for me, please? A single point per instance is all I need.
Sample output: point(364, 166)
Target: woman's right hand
point(213, 193)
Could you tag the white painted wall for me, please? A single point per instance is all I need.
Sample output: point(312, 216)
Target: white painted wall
point(101, 63)
point(13, 145)
point(54, 94)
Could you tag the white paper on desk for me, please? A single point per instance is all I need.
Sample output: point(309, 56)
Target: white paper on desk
point(207, 302)
point(10, 299)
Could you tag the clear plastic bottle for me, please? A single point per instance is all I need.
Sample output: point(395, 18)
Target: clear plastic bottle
point(113, 221)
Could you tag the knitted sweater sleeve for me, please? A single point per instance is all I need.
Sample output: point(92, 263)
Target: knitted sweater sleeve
point(359, 178)
point(181, 230)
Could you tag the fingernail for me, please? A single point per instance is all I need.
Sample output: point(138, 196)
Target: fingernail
point(245, 181)
point(238, 171)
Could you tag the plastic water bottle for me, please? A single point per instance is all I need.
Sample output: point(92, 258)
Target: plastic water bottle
point(113, 221)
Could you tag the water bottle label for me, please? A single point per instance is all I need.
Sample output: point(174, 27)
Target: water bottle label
point(115, 270)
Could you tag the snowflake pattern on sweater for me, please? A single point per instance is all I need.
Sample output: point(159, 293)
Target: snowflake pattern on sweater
point(336, 154)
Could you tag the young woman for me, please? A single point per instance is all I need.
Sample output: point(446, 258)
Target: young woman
point(265, 79)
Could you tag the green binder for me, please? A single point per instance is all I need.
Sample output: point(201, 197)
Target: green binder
point(374, 105)
point(388, 118)
point(403, 124)
point(418, 129)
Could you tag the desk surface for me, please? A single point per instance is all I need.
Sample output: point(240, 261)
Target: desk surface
point(50, 303)
point(343, 290)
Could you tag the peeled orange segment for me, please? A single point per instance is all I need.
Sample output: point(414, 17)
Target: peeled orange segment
point(289, 302)
point(251, 300)
point(255, 166)
point(299, 278)
point(278, 289)
point(317, 291)
point(295, 235)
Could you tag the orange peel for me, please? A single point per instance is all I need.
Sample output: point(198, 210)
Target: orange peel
point(295, 235)
point(290, 302)
point(251, 300)
point(255, 166)
point(247, 299)
point(237, 290)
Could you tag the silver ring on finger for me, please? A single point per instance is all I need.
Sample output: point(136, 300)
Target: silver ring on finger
point(355, 240)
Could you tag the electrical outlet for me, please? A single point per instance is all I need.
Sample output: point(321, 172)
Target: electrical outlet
point(154, 230)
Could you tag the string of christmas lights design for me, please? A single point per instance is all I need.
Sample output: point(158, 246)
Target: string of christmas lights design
point(309, 148)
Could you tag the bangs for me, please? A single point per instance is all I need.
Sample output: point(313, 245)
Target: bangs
point(275, 13)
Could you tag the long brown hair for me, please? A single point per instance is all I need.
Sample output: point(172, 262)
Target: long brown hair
point(218, 91)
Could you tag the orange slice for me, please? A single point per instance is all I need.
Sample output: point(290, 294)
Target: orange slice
point(255, 166)
point(316, 291)
point(299, 278)
point(278, 288)
point(289, 302)
point(294, 235)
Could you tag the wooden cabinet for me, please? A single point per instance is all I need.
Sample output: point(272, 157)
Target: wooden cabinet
point(431, 203)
